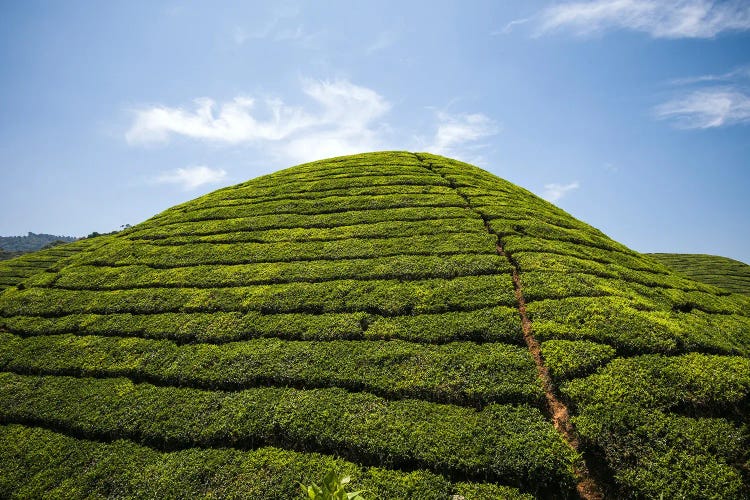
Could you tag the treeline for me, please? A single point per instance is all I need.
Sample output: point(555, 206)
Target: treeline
point(29, 243)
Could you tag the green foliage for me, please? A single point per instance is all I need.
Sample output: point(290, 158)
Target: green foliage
point(401, 267)
point(625, 411)
point(729, 274)
point(385, 229)
point(38, 462)
point(664, 382)
point(386, 297)
point(291, 221)
point(459, 372)
point(14, 271)
point(515, 444)
point(161, 256)
point(574, 358)
point(631, 326)
point(333, 487)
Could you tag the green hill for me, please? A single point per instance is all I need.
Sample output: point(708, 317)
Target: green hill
point(407, 319)
point(726, 273)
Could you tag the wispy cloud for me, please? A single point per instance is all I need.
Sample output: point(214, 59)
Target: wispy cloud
point(709, 108)
point(741, 73)
point(344, 118)
point(191, 177)
point(457, 133)
point(342, 107)
point(234, 122)
point(555, 192)
point(340, 118)
point(709, 101)
point(658, 18)
point(510, 26)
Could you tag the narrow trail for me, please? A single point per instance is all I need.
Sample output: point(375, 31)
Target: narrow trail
point(587, 487)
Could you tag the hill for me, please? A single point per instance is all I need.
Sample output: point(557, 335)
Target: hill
point(31, 242)
point(410, 320)
point(729, 274)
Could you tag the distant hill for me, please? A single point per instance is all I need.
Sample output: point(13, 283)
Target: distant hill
point(31, 242)
point(729, 274)
point(408, 320)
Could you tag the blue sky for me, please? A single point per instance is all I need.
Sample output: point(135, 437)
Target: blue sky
point(633, 115)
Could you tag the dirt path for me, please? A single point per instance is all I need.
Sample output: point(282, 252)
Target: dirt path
point(587, 487)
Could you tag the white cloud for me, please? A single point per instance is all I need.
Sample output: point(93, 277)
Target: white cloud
point(554, 192)
point(707, 108)
point(658, 18)
point(340, 118)
point(455, 133)
point(709, 101)
point(191, 177)
point(234, 123)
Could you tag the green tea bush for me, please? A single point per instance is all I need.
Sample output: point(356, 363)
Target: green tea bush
point(242, 253)
point(388, 297)
point(263, 222)
point(574, 358)
point(459, 372)
point(499, 324)
point(407, 267)
point(39, 462)
point(386, 229)
point(515, 444)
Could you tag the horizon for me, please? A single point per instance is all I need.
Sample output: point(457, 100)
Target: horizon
point(116, 112)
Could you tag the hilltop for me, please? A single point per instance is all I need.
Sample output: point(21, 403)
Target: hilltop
point(729, 274)
point(411, 320)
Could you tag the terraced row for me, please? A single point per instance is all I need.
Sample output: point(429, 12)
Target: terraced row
point(378, 230)
point(386, 189)
point(383, 297)
point(500, 442)
point(38, 462)
point(459, 372)
point(494, 324)
point(729, 274)
point(400, 267)
point(161, 256)
point(298, 222)
point(319, 205)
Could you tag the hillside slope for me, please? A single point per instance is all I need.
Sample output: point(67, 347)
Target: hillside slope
point(729, 274)
point(408, 319)
point(17, 269)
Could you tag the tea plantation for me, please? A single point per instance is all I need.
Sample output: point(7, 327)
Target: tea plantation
point(406, 319)
point(729, 274)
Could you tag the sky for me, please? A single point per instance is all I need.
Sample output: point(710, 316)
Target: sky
point(632, 115)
